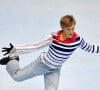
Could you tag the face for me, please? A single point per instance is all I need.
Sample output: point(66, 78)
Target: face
point(68, 31)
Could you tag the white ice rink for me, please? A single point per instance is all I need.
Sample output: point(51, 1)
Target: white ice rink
point(28, 21)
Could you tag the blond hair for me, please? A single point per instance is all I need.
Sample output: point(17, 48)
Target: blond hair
point(67, 21)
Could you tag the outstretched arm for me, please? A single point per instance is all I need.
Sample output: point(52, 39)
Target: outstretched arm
point(89, 48)
point(21, 49)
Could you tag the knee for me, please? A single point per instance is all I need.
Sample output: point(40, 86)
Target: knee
point(17, 79)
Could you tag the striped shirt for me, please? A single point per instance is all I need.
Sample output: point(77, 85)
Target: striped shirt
point(59, 51)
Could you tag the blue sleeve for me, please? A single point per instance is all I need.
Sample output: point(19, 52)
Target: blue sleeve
point(89, 48)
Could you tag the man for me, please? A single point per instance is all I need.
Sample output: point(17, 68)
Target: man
point(61, 46)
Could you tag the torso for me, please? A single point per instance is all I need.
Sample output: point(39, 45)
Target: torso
point(60, 49)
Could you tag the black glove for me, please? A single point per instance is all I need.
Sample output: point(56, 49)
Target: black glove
point(7, 50)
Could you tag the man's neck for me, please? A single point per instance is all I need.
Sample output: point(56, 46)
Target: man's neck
point(63, 36)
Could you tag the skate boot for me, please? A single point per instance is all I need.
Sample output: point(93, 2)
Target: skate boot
point(5, 60)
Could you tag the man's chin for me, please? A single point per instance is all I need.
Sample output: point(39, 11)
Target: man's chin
point(70, 37)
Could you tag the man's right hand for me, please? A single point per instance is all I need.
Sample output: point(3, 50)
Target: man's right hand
point(7, 50)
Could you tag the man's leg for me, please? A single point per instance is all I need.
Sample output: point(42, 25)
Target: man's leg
point(52, 80)
point(33, 69)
